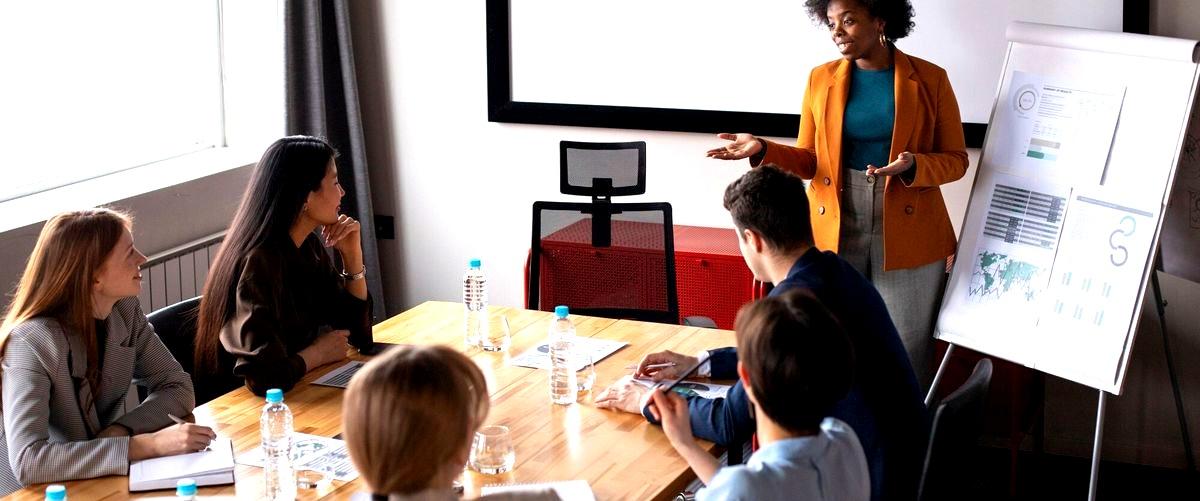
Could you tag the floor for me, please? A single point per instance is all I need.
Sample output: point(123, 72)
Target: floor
point(1048, 476)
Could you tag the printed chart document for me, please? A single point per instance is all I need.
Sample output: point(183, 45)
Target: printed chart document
point(210, 467)
point(539, 356)
point(312, 452)
point(1047, 128)
point(691, 388)
point(1010, 262)
point(572, 490)
point(1094, 287)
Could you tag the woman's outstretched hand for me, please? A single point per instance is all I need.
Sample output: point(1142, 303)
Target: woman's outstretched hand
point(743, 145)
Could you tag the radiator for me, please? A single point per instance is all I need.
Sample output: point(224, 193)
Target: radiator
point(177, 274)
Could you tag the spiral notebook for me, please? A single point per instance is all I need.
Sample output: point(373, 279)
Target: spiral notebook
point(570, 490)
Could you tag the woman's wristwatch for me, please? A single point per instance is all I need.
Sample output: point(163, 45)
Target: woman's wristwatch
point(357, 276)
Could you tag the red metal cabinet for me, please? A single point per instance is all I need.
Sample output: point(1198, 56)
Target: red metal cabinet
point(711, 277)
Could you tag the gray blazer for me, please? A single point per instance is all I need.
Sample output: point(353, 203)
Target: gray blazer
point(45, 436)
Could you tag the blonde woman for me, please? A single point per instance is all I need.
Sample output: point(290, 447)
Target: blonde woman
point(408, 418)
point(72, 341)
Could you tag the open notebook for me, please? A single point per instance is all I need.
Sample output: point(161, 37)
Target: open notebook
point(570, 490)
point(211, 467)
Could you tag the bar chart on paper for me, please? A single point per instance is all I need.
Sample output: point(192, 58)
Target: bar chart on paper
point(1020, 216)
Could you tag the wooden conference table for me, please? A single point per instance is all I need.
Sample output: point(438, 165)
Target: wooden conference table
point(619, 454)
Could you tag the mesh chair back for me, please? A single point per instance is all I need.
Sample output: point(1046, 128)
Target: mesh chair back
point(602, 169)
point(950, 461)
point(633, 277)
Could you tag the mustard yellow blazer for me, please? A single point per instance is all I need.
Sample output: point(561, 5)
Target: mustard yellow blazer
point(916, 226)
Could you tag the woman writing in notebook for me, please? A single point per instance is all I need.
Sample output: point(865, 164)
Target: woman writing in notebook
point(409, 433)
point(879, 134)
point(73, 339)
point(275, 305)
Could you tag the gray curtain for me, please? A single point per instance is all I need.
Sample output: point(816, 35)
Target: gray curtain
point(322, 100)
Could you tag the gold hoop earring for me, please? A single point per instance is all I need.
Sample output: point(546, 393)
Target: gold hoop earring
point(883, 40)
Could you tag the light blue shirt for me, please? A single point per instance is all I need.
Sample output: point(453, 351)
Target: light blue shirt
point(828, 466)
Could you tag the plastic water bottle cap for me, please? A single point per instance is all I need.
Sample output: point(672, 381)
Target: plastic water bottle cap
point(185, 487)
point(475, 263)
point(274, 395)
point(561, 311)
point(56, 492)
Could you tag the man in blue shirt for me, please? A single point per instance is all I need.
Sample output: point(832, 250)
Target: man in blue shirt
point(884, 406)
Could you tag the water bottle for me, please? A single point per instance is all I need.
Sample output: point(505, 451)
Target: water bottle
point(56, 493)
point(185, 489)
point(563, 389)
point(475, 305)
point(276, 429)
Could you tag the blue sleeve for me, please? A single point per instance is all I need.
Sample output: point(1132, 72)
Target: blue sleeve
point(730, 483)
point(722, 363)
point(723, 421)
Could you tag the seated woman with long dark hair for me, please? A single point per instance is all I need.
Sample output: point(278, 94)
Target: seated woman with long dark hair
point(275, 304)
point(73, 340)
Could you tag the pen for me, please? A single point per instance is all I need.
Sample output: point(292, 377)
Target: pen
point(176, 419)
point(654, 366)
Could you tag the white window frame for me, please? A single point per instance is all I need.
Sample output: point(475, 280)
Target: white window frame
point(237, 146)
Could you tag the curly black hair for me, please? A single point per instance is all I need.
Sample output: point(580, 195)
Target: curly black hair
point(897, 15)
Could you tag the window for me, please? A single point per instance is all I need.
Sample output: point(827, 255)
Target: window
point(91, 88)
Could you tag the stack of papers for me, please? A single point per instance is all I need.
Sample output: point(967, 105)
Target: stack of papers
point(539, 357)
point(210, 467)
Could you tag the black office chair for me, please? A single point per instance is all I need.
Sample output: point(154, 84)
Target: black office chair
point(601, 258)
point(951, 465)
point(176, 327)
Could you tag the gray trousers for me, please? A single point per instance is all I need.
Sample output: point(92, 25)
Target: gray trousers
point(912, 295)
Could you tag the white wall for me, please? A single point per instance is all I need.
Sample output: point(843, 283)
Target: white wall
point(462, 187)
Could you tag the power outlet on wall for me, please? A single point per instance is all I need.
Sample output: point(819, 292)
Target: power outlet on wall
point(385, 227)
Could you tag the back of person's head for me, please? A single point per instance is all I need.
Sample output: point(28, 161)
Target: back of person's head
point(411, 413)
point(288, 171)
point(61, 272)
point(772, 203)
point(798, 358)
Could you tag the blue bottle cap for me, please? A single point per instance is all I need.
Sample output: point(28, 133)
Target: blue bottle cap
point(475, 263)
point(561, 311)
point(274, 395)
point(56, 492)
point(185, 487)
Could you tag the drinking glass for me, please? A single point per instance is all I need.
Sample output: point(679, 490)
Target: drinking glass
point(492, 451)
point(585, 372)
point(497, 339)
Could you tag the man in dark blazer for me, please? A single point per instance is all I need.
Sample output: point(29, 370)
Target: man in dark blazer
point(884, 408)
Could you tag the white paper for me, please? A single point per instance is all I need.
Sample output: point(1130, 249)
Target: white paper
point(1094, 288)
point(312, 452)
point(1055, 128)
point(1014, 251)
point(539, 357)
point(691, 388)
point(340, 377)
point(572, 490)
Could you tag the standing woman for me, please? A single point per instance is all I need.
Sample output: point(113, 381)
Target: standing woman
point(72, 341)
point(275, 305)
point(880, 132)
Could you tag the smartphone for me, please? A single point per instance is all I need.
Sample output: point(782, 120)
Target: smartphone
point(671, 386)
point(691, 370)
point(377, 348)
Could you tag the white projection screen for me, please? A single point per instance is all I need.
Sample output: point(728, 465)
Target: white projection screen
point(708, 65)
